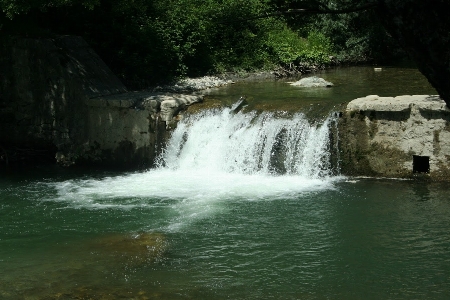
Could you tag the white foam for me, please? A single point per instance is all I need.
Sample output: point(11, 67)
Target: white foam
point(184, 184)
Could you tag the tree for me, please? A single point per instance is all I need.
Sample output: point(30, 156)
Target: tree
point(148, 41)
point(421, 27)
point(12, 8)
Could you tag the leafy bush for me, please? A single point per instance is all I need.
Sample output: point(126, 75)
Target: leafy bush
point(357, 36)
point(318, 50)
point(147, 42)
point(287, 47)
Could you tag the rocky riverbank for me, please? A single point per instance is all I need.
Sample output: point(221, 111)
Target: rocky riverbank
point(198, 84)
point(193, 85)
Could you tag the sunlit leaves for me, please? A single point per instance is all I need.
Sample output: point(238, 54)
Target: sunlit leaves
point(12, 8)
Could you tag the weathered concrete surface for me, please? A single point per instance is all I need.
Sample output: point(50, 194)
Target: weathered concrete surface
point(59, 99)
point(128, 129)
point(379, 136)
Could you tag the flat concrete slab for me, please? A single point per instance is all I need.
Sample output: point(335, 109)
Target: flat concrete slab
point(397, 104)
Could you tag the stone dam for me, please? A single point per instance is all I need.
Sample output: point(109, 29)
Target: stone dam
point(59, 101)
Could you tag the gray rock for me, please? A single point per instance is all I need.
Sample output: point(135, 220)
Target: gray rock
point(171, 105)
point(187, 85)
point(313, 81)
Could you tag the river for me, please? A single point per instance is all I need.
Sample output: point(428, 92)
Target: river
point(242, 206)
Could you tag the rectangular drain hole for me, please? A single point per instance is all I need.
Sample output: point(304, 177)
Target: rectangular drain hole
point(421, 164)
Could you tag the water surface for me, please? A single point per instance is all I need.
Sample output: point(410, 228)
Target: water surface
point(349, 83)
point(329, 239)
point(243, 206)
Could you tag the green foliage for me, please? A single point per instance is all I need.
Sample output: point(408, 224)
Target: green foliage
point(285, 44)
point(319, 49)
point(12, 8)
point(357, 36)
point(147, 42)
point(289, 48)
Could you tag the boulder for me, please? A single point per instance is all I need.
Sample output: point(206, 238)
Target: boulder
point(313, 81)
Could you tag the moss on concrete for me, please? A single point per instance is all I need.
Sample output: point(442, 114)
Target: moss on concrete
point(353, 144)
point(387, 161)
point(442, 173)
point(361, 156)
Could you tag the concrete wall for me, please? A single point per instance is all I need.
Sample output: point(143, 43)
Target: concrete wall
point(393, 137)
point(41, 96)
point(128, 130)
point(60, 102)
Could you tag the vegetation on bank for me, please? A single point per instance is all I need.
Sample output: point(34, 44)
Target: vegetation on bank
point(147, 42)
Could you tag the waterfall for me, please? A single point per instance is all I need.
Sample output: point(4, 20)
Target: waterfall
point(214, 157)
point(250, 143)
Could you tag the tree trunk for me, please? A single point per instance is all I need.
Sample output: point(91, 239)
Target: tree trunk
point(423, 30)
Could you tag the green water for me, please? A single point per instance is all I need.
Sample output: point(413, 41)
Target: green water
point(202, 232)
point(349, 83)
point(357, 239)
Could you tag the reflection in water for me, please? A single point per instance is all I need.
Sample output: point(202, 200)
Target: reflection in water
point(399, 239)
point(422, 192)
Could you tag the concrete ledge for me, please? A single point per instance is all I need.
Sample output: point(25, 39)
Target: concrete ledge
point(142, 99)
point(128, 129)
point(387, 136)
point(399, 103)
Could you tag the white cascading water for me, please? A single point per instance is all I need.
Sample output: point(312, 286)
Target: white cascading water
point(222, 141)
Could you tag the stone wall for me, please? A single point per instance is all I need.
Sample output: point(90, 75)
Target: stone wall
point(58, 100)
point(395, 137)
point(129, 129)
point(40, 98)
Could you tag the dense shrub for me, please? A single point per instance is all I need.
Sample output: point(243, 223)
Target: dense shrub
point(151, 41)
point(357, 36)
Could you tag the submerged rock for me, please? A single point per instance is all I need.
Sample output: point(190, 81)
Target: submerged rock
point(106, 293)
point(313, 81)
point(138, 248)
